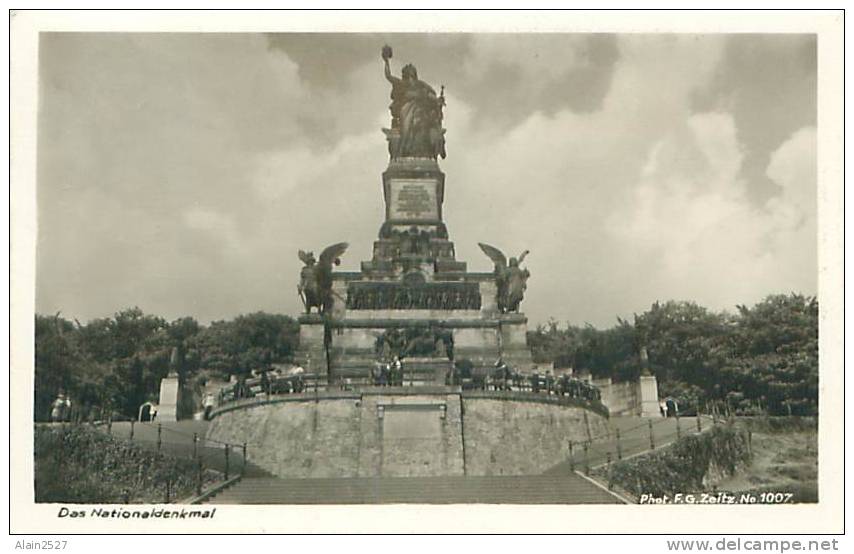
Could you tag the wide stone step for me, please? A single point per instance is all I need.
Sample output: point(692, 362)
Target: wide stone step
point(565, 489)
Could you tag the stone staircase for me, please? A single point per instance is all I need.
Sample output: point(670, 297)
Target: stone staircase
point(522, 489)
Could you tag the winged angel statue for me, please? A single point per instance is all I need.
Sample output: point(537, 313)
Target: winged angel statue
point(315, 284)
point(511, 279)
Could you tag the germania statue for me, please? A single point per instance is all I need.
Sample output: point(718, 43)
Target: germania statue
point(416, 115)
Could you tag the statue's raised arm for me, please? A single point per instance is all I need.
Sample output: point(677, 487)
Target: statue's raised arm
point(387, 52)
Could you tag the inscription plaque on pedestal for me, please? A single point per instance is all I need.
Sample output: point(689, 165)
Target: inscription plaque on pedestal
point(412, 424)
point(413, 199)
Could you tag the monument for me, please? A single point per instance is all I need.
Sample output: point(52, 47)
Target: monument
point(413, 306)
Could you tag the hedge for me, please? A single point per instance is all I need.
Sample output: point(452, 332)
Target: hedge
point(685, 465)
point(80, 464)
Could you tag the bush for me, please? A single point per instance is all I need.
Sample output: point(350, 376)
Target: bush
point(77, 463)
point(686, 465)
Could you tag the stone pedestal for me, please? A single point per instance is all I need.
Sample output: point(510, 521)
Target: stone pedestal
point(170, 396)
point(414, 191)
point(311, 354)
point(425, 371)
point(648, 396)
point(514, 342)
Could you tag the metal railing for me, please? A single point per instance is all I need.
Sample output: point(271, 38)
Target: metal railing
point(619, 443)
point(309, 383)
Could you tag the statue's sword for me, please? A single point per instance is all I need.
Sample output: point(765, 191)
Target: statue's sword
point(302, 297)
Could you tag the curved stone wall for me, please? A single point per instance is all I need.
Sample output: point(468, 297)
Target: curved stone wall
point(522, 437)
point(295, 439)
point(405, 432)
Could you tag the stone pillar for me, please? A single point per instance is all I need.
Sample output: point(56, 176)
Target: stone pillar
point(488, 304)
point(339, 299)
point(478, 345)
point(311, 354)
point(648, 396)
point(170, 395)
point(514, 342)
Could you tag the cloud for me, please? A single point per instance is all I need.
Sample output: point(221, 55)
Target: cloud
point(692, 223)
point(793, 167)
point(552, 183)
point(794, 211)
point(551, 72)
point(182, 173)
point(768, 83)
point(220, 226)
point(283, 172)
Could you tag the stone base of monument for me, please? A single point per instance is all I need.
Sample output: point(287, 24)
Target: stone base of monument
point(406, 431)
point(519, 359)
point(476, 337)
point(422, 371)
point(311, 354)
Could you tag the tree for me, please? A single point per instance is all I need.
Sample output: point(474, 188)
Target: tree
point(604, 353)
point(684, 342)
point(252, 341)
point(764, 356)
point(774, 355)
point(56, 359)
point(608, 353)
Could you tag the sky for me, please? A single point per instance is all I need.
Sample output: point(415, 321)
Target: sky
point(181, 173)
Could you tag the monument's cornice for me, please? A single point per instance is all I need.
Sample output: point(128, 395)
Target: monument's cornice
point(426, 319)
point(348, 276)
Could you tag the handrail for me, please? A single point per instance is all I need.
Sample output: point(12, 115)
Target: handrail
point(542, 398)
point(357, 393)
point(280, 398)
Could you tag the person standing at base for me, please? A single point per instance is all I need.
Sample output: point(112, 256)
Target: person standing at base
point(397, 371)
point(60, 408)
point(500, 374)
point(550, 382)
point(385, 374)
point(208, 404)
point(265, 383)
point(376, 373)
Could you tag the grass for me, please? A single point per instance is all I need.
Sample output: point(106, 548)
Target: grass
point(782, 462)
point(80, 464)
point(755, 455)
